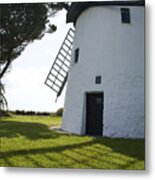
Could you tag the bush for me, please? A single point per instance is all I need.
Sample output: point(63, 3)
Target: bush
point(59, 112)
point(20, 112)
point(5, 113)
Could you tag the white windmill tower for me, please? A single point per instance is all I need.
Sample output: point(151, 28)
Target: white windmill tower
point(105, 90)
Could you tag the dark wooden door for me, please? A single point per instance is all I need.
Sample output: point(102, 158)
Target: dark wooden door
point(94, 114)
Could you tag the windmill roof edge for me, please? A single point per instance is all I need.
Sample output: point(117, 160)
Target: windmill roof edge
point(77, 8)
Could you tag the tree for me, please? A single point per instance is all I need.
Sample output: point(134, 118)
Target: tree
point(20, 25)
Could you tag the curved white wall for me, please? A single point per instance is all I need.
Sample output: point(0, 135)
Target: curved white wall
point(116, 52)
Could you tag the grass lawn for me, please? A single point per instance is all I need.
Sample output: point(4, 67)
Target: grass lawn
point(26, 141)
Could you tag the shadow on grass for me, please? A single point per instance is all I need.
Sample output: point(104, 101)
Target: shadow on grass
point(134, 148)
point(29, 130)
point(129, 147)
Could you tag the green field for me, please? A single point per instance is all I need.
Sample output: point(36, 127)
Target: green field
point(27, 141)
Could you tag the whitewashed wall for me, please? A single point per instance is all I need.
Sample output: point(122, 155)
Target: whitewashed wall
point(116, 52)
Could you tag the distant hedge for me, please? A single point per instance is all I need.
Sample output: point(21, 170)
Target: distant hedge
point(59, 112)
point(31, 113)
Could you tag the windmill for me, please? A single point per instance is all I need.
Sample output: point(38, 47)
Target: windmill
point(104, 69)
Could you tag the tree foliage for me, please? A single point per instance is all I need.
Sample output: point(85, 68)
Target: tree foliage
point(21, 24)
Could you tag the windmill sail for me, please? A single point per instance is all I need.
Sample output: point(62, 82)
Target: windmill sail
point(58, 73)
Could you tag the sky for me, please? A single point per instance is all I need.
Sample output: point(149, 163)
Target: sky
point(24, 84)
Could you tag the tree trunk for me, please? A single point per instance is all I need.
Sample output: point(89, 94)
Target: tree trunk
point(5, 68)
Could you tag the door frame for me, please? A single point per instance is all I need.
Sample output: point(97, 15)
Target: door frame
point(85, 109)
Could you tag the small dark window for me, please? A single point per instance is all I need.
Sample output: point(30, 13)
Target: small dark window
point(76, 56)
point(125, 15)
point(98, 80)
